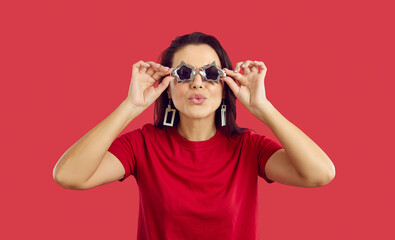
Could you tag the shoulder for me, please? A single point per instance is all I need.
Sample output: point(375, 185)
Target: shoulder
point(138, 136)
point(150, 131)
point(146, 130)
point(150, 128)
point(238, 135)
point(245, 137)
point(254, 139)
point(249, 135)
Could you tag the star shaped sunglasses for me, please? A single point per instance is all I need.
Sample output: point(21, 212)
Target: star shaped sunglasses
point(185, 72)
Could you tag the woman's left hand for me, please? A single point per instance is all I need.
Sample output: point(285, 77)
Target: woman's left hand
point(251, 92)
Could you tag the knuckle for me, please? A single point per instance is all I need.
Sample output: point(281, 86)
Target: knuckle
point(137, 63)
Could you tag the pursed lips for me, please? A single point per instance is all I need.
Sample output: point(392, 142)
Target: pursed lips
point(197, 96)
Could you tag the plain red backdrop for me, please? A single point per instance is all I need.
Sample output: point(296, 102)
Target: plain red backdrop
point(66, 65)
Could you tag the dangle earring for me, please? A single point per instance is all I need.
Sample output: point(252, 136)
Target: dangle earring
point(223, 113)
point(169, 109)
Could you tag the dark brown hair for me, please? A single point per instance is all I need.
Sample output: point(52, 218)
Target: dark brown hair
point(166, 59)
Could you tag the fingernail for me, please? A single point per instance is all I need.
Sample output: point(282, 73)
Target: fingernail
point(166, 68)
point(236, 69)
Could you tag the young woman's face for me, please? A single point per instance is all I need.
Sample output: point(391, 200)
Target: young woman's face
point(187, 96)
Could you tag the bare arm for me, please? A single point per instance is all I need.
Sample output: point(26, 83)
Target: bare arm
point(87, 163)
point(302, 162)
point(82, 159)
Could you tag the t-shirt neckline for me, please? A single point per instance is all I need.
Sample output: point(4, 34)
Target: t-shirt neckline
point(195, 144)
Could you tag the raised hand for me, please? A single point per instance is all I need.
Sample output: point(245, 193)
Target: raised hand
point(251, 92)
point(142, 90)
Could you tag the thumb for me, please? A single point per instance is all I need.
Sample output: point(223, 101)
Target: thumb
point(232, 84)
point(163, 85)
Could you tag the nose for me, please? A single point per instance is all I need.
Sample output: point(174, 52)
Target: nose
point(197, 82)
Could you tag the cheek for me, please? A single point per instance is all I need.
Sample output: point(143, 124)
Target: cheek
point(173, 89)
point(219, 90)
point(177, 95)
point(217, 96)
point(219, 99)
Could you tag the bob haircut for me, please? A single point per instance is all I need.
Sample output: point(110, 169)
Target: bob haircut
point(166, 59)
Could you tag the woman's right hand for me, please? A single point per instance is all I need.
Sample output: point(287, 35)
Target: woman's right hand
point(142, 90)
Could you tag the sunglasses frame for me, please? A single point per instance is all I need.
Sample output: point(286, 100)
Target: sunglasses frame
point(194, 72)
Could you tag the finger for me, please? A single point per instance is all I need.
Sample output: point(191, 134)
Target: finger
point(157, 70)
point(163, 71)
point(140, 65)
point(254, 67)
point(246, 66)
point(163, 85)
point(237, 67)
point(237, 76)
point(232, 84)
point(152, 68)
point(144, 68)
point(262, 66)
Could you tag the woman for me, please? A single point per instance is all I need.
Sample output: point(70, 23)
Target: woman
point(195, 168)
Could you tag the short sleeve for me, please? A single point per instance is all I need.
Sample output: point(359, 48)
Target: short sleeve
point(265, 148)
point(123, 147)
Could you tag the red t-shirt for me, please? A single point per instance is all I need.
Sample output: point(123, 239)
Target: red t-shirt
point(195, 189)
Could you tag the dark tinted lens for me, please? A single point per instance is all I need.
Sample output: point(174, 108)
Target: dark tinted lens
point(212, 73)
point(184, 73)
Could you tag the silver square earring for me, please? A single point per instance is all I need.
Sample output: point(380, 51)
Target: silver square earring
point(169, 109)
point(223, 113)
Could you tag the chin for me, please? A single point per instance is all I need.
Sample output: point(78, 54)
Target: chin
point(198, 114)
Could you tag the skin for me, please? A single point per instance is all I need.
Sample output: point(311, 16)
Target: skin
point(197, 121)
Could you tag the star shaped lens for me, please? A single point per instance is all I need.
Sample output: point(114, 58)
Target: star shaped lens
point(184, 73)
point(212, 73)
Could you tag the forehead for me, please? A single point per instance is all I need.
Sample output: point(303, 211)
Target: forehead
point(196, 55)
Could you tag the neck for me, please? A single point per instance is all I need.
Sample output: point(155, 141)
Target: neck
point(197, 129)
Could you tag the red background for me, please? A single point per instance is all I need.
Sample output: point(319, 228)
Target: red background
point(66, 65)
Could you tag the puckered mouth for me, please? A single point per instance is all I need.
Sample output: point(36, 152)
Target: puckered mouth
point(197, 96)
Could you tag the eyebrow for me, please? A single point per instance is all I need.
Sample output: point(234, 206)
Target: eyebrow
point(197, 67)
